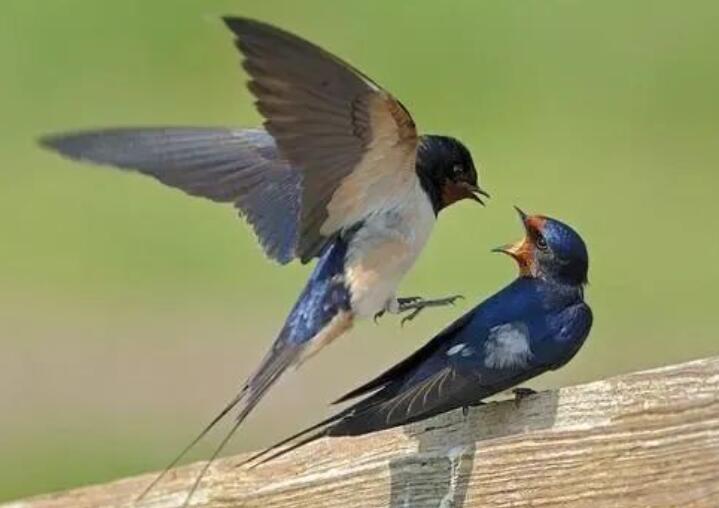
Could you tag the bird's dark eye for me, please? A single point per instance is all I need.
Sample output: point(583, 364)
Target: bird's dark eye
point(458, 169)
point(541, 242)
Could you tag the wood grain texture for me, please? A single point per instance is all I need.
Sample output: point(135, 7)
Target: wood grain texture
point(646, 439)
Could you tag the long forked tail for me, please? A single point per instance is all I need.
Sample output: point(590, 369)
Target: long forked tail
point(275, 363)
point(308, 435)
point(321, 314)
point(190, 446)
point(347, 422)
point(350, 421)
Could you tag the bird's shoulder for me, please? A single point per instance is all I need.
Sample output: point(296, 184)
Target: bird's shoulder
point(568, 331)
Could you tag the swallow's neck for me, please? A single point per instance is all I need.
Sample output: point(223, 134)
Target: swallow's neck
point(563, 274)
point(560, 289)
point(428, 171)
point(434, 194)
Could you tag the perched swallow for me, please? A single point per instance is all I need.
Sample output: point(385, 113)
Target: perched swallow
point(536, 324)
point(340, 173)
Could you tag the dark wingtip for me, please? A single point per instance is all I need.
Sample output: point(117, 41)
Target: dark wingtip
point(362, 390)
point(234, 23)
point(49, 141)
point(253, 28)
point(342, 399)
point(242, 26)
point(69, 145)
point(61, 144)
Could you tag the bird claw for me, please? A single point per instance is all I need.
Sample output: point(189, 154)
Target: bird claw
point(408, 300)
point(410, 317)
point(378, 315)
point(417, 304)
point(521, 393)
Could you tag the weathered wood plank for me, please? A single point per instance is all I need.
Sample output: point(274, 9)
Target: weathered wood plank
point(644, 439)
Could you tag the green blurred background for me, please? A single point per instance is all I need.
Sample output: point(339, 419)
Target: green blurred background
point(129, 313)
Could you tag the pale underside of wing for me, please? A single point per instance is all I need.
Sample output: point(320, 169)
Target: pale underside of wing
point(353, 142)
point(239, 166)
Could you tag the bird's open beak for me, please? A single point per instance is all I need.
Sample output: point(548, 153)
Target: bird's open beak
point(473, 192)
point(521, 251)
point(522, 216)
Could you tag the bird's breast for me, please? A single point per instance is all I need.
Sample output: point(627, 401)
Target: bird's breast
point(384, 249)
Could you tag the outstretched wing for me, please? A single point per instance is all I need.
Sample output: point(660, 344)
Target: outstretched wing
point(236, 166)
point(354, 143)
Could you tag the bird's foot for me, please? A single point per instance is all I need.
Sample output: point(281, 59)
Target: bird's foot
point(521, 393)
point(397, 308)
point(417, 304)
point(465, 409)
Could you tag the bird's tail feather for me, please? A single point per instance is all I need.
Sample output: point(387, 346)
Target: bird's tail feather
point(191, 445)
point(328, 318)
point(324, 427)
point(270, 370)
point(357, 419)
point(274, 364)
point(339, 424)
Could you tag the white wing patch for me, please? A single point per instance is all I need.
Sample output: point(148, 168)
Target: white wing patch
point(461, 349)
point(507, 346)
point(457, 348)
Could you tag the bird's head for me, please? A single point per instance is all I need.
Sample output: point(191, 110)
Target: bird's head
point(550, 249)
point(447, 172)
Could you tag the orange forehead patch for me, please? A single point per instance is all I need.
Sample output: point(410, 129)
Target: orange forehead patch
point(536, 222)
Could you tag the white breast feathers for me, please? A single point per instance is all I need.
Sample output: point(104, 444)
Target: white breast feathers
point(385, 248)
point(507, 346)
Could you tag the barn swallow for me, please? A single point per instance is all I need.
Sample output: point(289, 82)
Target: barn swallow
point(340, 173)
point(535, 324)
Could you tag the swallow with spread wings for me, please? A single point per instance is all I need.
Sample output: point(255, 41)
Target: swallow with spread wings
point(339, 173)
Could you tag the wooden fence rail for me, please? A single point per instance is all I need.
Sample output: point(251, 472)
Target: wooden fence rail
point(643, 439)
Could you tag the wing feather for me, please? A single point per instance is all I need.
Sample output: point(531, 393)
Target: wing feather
point(354, 143)
point(236, 166)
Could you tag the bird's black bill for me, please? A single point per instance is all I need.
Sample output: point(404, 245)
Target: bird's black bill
point(513, 249)
point(474, 192)
point(522, 215)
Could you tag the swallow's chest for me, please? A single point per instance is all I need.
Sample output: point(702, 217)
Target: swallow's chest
point(384, 249)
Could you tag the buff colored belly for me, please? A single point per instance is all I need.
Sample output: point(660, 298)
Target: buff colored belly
point(383, 252)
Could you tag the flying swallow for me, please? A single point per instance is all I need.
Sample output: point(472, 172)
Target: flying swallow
point(340, 173)
point(535, 324)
